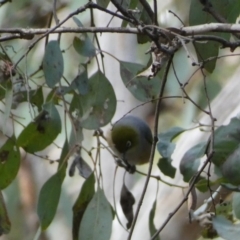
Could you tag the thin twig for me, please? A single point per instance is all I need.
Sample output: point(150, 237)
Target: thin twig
point(148, 9)
point(155, 139)
point(184, 199)
point(79, 10)
point(155, 7)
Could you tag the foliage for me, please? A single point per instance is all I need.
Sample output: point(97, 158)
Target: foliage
point(63, 104)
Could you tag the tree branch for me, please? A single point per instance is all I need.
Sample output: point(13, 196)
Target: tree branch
point(155, 140)
point(185, 31)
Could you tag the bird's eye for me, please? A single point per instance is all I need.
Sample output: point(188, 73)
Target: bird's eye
point(128, 144)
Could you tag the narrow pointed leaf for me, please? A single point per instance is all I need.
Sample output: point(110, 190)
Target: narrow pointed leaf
point(5, 224)
point(151, 225)
point(79, 207)
point(51, 191)
point(48, 200)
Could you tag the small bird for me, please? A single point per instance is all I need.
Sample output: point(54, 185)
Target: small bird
point(131, 140)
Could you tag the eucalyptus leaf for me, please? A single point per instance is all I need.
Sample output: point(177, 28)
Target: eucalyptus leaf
point(50, 192)
point(9, 162)
point(82, 44)
point(81, 83)
point(41, 133)
point(191, 160)
point(35, 97)
point(231, 168)
point(165, 146)
point(236, 204)
point(140, 86)
point(226, 141)
point(151, 225)
point(165, 166)
point(96, 108)
point(226, 9)
point(97, 219)
point(53, 64)
point(225, 228)
point(103, 3)
point(5, 224)
point(82, 201)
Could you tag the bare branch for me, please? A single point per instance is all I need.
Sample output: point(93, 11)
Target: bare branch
point(155, 140)
point(148, 9)
point(211, 27)
point(185, 31)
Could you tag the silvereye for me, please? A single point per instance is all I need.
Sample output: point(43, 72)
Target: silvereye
point(131, 140)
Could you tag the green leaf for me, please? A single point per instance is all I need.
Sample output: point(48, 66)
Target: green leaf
point(231, 168)
point(236, 204)
point(51, 191)
point(41, 133)
point(165, 146)
point(229, 9)
point(204, 50)
point(191, 160)
point(79, 207)
point(34, 96)
point(97, 219)
point(5, 224)
point(53, 64)
point(165, 166)
point(141, 88)
point(203, 184)
point(97, 107)
point(81, 83)
point(226, 141)
point(151, 225)
point(55, 96)
point(48, 199)
point(82, 44)
point(145, 18)
point(9, 162)
point(225, 228)
point(103, 3)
